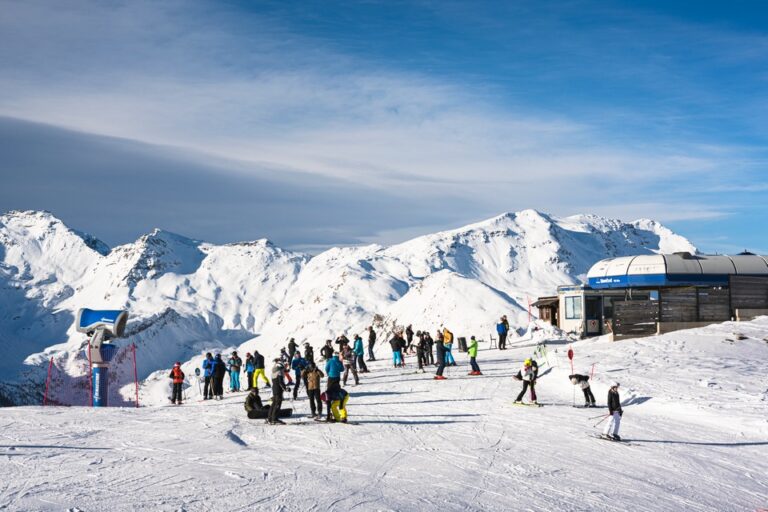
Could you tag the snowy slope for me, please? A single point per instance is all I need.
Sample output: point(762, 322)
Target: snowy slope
point(186, 296)
point(695, 415)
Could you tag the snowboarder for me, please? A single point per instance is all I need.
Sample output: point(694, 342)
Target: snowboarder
point(177, 377)
point(583, 382)
point(349, 364)
point(472, 351)
point(396, 343)
point(234, 364)
point(219, 370)
point(371, 342)
point(258, 369)
point(502, 328)
point(312, 376)
point(278, 387)
point(327, 351)
point(333, 369)
point(440, 356)
point(309, 353)
point(337, 404)
point(297, 365)
point(360, 354)
point(614, 413)
point(208, 367)
point(528, 375)
point(249, 368)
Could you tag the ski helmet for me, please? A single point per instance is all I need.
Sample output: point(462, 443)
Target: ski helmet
point(528, 362)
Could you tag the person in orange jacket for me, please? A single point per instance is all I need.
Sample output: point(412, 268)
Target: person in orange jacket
point(178, 380)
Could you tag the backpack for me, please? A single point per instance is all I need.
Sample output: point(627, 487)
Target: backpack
point(447, 336)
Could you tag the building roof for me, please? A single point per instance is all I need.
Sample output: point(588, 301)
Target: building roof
point(678, 269)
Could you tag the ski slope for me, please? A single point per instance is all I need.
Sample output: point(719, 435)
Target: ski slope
point(696, 417)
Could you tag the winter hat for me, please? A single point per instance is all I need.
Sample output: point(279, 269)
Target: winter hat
point(176, 364)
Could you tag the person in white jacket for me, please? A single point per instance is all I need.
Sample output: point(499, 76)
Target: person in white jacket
point(528, 375)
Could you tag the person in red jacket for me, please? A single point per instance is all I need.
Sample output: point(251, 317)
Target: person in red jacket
point(178, 380)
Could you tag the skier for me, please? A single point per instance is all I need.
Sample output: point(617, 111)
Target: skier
point(219, 370)
point(327, 351)
point(234, 364)
point(249, 368)
point(333, 369)
point(312, 376)
point(502, 328)
point(253, 404)
point(371, 342)
point(208, 367)
point(440, 356)
point(396, 344)
point(472, 351)
point(528, 375)
point(615, 413)
point(177, 376)
point(309, 353)
point(349, 364)
point(278, 387)
point(360, 354)
point(409, 338)
point(291, 348)
point(583, 382)
point(448, 342)
point(297, 365)
point(337, 404)
point(258, 369)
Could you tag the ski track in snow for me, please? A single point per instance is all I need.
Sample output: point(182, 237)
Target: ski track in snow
point(418, 444)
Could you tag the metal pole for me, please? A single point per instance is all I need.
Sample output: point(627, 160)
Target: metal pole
point(47, 380)
point(135, 374)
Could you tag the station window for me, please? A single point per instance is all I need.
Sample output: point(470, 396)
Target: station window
point(573, 308)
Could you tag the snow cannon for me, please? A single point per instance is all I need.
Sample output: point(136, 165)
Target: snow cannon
point(101, 326)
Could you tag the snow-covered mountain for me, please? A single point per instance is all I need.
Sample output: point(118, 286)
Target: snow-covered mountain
point(186, 296)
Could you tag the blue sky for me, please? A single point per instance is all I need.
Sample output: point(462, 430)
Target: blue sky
point(320, 123)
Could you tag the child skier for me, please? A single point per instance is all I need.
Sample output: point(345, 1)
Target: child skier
point(472, 351)
point(528, 375)
point(615, 413)
point(583, 382)
point(178, 380)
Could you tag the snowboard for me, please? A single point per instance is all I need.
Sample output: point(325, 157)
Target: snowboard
point(262, 414)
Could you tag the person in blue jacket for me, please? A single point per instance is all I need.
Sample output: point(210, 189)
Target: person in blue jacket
point(359, 351)
point(333, 369)
point(250, 367)
point(502, 328)
point(298, 365)
point(208, 375)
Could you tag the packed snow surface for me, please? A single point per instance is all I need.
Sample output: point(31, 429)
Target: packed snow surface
point(695, 420)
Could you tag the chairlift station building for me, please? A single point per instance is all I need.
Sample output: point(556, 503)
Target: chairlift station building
point(651, 294)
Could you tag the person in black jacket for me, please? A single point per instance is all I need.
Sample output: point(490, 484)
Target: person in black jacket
point(420, 353)
point(408, 338)
point(440, 355)
point(371, 342)
point(278, 388)
point(615, 413)
point(253, 404)
point(219, 371)
point(583, 382)
point(327, 351)
point(309, 353)
point(291, 349)
point(429, 356)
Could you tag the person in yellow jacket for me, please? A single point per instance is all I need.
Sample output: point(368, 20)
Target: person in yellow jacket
point(337, 400)
point(472, 351)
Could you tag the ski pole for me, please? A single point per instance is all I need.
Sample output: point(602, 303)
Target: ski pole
point(595, 417)
point(602, 420)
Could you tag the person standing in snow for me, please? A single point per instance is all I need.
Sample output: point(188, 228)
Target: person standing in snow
point(258, 369)
point(614, 413)
point(333, 369)
point(420, 356)
point(278, 388)
point(208, 367)
point(360, 354)
point(371, 342)
point(286, 361)
point(297, 365)
point(396, 343)
point(429, 356)
point(472, 351)
point(348, 356)
point(177, 377)
point(291, 349)
point(249, 368)
point(312, 376)
point(502, 328)
point(234, 364)
point(409, 338)
point(309, 353)
point(440, 357)
point(327, 351)
point(583, 382)
point(448, 342)
point(528, 376)
point(219, 371)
